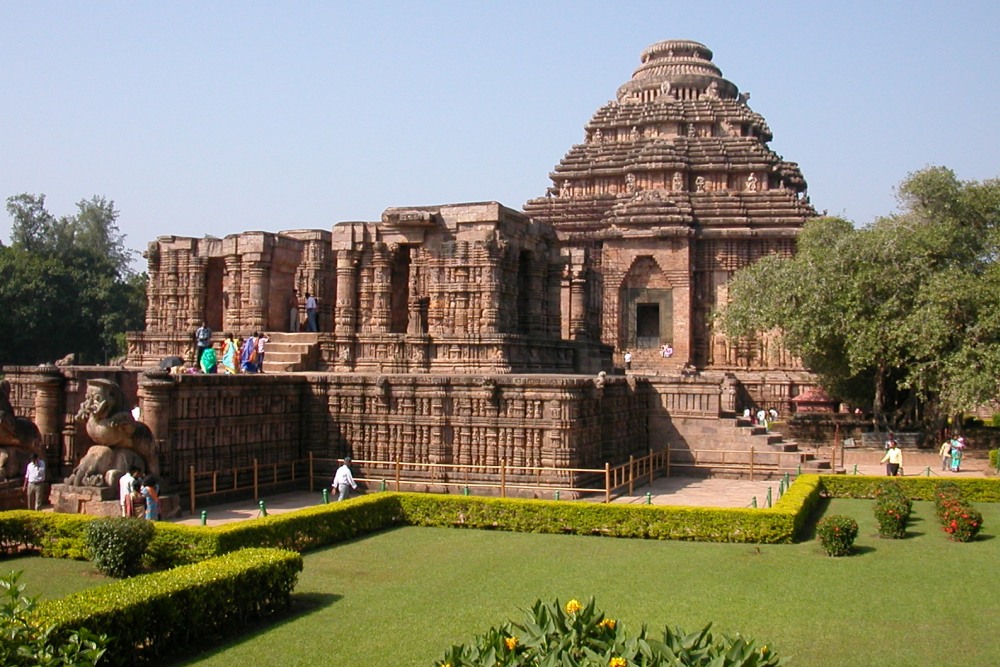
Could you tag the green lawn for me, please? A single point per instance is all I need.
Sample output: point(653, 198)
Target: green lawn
point(400, 597)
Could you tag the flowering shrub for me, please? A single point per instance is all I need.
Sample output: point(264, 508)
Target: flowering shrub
point(577, 635)
point(892, 509)
point(958, 517)
point(837, 534)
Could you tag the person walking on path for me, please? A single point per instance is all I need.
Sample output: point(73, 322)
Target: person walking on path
point(945, 453)
point(311, 307)
point(893, 460)
point(956, 454)
point(343, 480)
point(34, 482)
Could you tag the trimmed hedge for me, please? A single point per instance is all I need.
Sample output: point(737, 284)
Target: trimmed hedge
point(154, 614)
point(979, 489)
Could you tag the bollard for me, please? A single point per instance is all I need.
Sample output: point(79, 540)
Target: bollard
point(263, 508)
point(753, 502)
point(204, 517)
point(768, 496)
point(855, 468)
point(465, 490)
point(649, 498)
point(326, 496)
point(788, 481)
point(928, 471)
point(382, 486)
point(798, 471)
point(557, 494)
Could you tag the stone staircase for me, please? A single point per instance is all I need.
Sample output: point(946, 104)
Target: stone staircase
point(772, 450)
point(291, 352)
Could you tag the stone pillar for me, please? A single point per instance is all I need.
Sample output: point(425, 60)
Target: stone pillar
point(49, 401)
point(258, 283)
point(577, 296)
point(232, 316)
point(490, 320)
point(345, 317)
point(381, 289)
point(155, 393)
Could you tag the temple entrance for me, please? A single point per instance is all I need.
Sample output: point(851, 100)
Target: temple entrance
point(646, 302)
point(399, 318)
point(215, 297)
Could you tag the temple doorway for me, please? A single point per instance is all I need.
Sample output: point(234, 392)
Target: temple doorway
point(215, 297)
point(646, 301)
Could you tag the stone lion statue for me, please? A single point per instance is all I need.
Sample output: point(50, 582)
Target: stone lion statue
point(120, 440)
point(19, 437)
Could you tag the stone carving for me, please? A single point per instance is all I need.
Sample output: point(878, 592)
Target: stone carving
point(699, 184)
point(19, 437)
point(630, 182)
point(677, 184)
point(120, 440)
point(752, 183)
point(712, 92)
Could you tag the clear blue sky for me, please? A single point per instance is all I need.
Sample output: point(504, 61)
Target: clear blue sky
point(220, 117)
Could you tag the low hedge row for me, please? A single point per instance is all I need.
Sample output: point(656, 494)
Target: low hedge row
point(978, 489)
point(152, 615)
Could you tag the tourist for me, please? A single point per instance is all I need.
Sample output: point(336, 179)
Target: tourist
point(208, 360)
point(628, 360)
point(945, 453)
point(343, 480)
point(151, 495)
point(135, 504)
point(293, 312)
point(893, 460)
point(311, 307)
point(125, 488)
point(34, 482)
point(203, 341)
point(956, 454)
point(262, 340)
point(773, 414)
point(248, 356)
point(890, 442)
point(666, 351)
point(230, 352)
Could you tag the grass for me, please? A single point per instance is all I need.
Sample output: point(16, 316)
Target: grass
point(401, 597)
point(50, 578)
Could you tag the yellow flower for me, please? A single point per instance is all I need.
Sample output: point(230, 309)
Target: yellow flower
point(608, 623)
point(763, 650)
point(573, 606)
point(618, 662)
point(511, 642)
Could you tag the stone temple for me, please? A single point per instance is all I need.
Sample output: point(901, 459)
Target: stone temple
point(475, 333)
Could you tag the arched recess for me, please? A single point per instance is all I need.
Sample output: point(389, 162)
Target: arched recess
point(646, 306)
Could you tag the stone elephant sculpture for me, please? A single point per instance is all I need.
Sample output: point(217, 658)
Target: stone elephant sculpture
point(103, 466)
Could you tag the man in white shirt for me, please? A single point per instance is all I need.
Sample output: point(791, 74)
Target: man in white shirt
point(343, 479)
point(311, 307)
point(125, 487)
point(34, 482)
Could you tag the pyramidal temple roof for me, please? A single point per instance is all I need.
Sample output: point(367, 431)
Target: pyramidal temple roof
point(678, 147)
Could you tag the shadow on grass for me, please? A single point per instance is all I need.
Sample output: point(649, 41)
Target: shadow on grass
point(303, 604)
point(808, 532)
point(862, 550)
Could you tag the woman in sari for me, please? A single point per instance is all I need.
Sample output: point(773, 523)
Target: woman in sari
point(229, 355)
point(248, 357)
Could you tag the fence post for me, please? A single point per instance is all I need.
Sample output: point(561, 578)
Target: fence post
point(607, 482)
point(398, 471)
point(666, 459)
point(256, 472)
point(751, 463)
point(753, 502)
point(631, 474)
point(769, 496)
point(503, 478)
point(191, 487)
point(312, 479)
point(651, 466)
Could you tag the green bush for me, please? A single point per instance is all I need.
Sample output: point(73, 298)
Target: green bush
point(152, 615)
point(993, 458)
point(891, 515)
point(978, 489)
point(958, 517)
point(575, 635)
point(837, 534)
point(24, 643)
point(116, 544)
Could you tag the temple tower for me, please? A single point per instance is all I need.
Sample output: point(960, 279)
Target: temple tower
point(672, 191)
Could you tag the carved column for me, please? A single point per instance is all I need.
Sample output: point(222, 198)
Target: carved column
point(155, 392)
point(345, 316)
point(49, 403)
point(537, 290)
point(258, 276)
point(196, 290)
point(577, 296)
point(381, 289)
point(489, 322)
point(232, 317)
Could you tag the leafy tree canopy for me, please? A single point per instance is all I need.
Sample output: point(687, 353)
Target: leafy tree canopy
point(902, 314)
point(66, 284)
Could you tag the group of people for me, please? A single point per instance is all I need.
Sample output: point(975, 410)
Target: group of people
point(238, 356)
point(139, 496)
point(951, 453)
point(312, 310)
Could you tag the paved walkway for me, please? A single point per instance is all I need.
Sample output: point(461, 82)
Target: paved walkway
point(685, 491)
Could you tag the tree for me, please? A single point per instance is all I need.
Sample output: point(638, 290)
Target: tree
point(66, 284)
point(902, 314)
